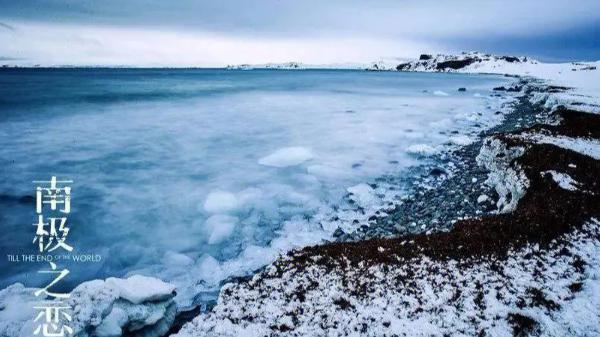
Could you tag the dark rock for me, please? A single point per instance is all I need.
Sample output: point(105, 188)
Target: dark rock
point(515, 88)
point(522, 325)
point(403, 66)
point(338, 232)
point(510, 59)
point(437, 171)
point(424, 57)
point(462, 89)
point(454, 64)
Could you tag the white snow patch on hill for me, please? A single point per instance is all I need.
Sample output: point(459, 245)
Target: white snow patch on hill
point(589, 147)
point(563, 180)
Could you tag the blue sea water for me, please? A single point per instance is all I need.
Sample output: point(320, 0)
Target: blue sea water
point(197, 175)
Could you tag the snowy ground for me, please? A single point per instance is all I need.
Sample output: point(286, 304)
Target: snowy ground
point(532, 290)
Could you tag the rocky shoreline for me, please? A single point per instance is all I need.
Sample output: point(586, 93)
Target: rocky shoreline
point(514, 256)
point(453, 188)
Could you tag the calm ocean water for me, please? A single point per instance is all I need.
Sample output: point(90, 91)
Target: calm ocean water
point(197, 175)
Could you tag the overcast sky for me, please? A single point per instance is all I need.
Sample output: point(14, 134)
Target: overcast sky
point(220, 32)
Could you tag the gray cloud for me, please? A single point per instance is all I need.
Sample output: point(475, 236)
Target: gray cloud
point(403, 25)
point(314, 17)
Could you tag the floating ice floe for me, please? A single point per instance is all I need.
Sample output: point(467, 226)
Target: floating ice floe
point(440, 93)
point(220, 202)
point(288, 156)
point(219, 227)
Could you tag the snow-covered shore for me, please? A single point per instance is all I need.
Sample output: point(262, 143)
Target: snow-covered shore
point(529, 269)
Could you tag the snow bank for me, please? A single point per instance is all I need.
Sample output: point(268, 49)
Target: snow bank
point(588, 147)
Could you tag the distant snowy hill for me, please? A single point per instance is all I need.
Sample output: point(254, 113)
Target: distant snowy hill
point(464, 61)
point(582, 76)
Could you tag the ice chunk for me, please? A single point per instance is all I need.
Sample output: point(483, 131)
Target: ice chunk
point(507, 178)
point(440, 93)
point(114, 307)
point(482, 198)
point(362, 194)
point(461, 140)
point(137, 289)
point(219, 227)
point(287, 156)
point(220, 202)
point(176, 259)
point(209, 269)
point(421, 149)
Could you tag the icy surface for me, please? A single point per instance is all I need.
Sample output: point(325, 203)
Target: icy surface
point(288, 156)
point(197, 176)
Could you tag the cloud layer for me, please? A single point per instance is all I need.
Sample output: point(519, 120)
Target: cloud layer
point(211, 33)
